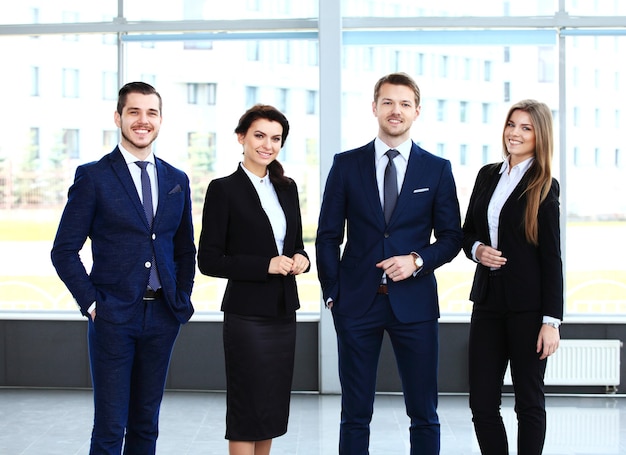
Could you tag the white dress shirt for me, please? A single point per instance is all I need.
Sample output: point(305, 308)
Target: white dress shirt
point(135, 173)
point(271, 205)
point(400, 162)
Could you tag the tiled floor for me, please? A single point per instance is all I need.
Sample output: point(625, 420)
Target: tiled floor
point(56, 422)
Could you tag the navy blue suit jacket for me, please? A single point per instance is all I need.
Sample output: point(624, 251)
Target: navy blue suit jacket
point(103, 205)
point(427, 205)
point(237, 243)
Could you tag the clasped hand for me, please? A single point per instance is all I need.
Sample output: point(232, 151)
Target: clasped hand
point(284, 265)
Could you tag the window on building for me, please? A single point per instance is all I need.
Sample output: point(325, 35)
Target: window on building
point(487, 71)
point(463, 111)
point(109, 85)
point(282, 101)
point(441, 110)
point(71, 144)
point(70, 83)
point(463, 154)
point(311, 102)
point(252, 94)
point(34, 81)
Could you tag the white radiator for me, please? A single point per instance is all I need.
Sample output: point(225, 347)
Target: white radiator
point(583, 362)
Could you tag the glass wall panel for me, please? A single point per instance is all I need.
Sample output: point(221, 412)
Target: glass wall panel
point(57, 11)
point(595, 7)
point(466, 92)
point(420, 8)
point(57, 111)
point(203, 99)
point(138, 10)
point(596, 175)
point(63, 116)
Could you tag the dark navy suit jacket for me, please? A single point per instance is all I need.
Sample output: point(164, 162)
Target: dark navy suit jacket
point(427, 205)
point(103, 205)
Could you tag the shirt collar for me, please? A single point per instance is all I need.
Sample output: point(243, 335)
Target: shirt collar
point(255, 178)
point(130, 158)
point(381, 148)
point(523, 166)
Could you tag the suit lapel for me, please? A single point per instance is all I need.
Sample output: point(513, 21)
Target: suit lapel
point(415, 174)
point(120, 168)
point(369, 184)
point(164, 185)
point(252, 198)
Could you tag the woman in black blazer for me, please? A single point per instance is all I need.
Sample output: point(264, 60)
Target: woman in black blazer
point(512, 231)
point(252, 235)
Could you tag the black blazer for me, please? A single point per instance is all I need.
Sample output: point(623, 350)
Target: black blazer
point(237, 243)
point(533, 275)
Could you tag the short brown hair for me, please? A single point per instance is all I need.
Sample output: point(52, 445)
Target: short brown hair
point(398, 79)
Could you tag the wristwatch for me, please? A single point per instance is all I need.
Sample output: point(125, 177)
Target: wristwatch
point(553, 324)
point(419, 262)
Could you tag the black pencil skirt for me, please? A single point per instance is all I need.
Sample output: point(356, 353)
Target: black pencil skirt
point(259, 354)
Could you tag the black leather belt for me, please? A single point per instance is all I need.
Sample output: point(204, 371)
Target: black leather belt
point(382, 289)
point(496, 272)
point(153, 295)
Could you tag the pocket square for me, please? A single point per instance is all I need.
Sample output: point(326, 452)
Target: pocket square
point(176, 189)
point(421, 190)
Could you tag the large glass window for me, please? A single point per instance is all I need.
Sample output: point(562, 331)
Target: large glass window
point(211, 10)
point(61, 114)
point(595, 176)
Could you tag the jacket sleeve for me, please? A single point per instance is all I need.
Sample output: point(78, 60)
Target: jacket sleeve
point(550, 254)
point(71, 235)
point(214, 257)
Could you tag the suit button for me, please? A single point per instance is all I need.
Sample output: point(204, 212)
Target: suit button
point(153, 236)
point(386, 235)
point(148, 264)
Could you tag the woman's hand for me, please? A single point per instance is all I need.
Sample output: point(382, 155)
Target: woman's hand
point(300, 264)
point(490, 257)
point(281, 265)
point(547, 341)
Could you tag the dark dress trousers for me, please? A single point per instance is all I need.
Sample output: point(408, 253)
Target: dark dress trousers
point(237, 243)
point(131, 340)
point(427, 205)
point(509, 305)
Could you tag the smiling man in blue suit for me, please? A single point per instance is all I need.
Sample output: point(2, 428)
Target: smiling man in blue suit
point(136, 211)
point(393, 196)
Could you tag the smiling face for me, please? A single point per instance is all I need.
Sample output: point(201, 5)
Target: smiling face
point(139, 123)
point(396, 110)
point(261, 145)
point(519, 137)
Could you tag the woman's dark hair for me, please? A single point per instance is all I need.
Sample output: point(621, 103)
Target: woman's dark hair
point(264, 111)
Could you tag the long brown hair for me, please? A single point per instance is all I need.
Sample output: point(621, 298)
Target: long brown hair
point(540, 172)
point(275, 169)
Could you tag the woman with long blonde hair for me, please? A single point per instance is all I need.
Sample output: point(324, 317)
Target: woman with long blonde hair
point(512, 232)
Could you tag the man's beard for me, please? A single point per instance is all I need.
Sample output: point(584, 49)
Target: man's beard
point(137, 145)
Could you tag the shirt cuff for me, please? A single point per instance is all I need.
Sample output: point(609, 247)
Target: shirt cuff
point(474, 248)
point(91, 308)
point(551, 320)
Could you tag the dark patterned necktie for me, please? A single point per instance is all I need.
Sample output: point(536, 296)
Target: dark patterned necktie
point(146, 191)
point(390, 186)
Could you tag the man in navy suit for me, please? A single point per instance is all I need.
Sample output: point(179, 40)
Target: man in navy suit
point(139, 286)
point(384, 279)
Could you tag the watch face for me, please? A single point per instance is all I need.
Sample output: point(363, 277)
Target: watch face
point(419, 262)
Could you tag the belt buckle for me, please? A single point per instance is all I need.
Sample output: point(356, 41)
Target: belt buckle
point(151, 295)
